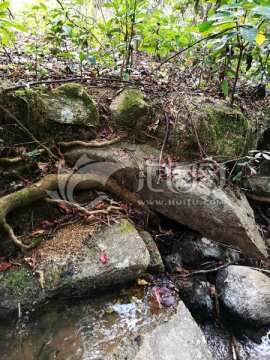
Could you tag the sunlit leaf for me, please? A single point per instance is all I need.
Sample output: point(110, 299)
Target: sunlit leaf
point(260, 37)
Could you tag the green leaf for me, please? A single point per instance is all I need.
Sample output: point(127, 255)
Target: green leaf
point(248, 32)
point(82, 56)
point(229, 6)
point(225, 87)
point(92, 60)
point(126, 77)
point(44, 7)
point(67, 54)
point(14, 24)
point(38, 240)
point(238, 176)
point(205, 26)
point(267, 157)
point(262, 10)
point(4, 5)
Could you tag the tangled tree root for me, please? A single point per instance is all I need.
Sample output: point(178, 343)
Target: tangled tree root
point(52, 183)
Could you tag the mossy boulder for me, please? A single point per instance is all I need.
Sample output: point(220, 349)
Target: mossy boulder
point(129, 108)
point(49, 114)
point(70, 104)
point(209, 127)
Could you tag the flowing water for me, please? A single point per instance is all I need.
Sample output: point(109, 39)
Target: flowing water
point(77, 329)
point(92, 329)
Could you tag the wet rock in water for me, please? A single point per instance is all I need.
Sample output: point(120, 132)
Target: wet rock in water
point(80, 272)
point(199, 251)
point(196, 294)
point(156, 264)
point(173, 262)
point(245, 293)
point(178, 337)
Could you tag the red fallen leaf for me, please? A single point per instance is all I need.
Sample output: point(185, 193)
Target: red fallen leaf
point(103, 257)
point(64, 207)
point(38, 232)
point(157, 295)
point(4, 266)
point(31, 261)
point(47, 223)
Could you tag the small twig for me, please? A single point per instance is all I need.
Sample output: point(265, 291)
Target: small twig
point(109, 209)
point(163, 145)
point(57, 81)
point(208, 271)
point(14, 118)
point(94, 143)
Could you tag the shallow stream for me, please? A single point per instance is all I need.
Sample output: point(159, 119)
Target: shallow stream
point(92, 329)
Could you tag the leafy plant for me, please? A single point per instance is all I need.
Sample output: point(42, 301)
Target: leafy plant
point(244, 28)
point(249, 166)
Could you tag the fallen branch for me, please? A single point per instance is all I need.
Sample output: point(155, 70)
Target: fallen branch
point(51, 183)
point(94, 143)
point(59, 81)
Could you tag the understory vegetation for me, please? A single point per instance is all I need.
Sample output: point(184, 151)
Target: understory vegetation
point(213, 42)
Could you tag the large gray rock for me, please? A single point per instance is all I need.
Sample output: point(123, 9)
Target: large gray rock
point(78, 273)
point(190, 194)
point(246, 293)
point(70, 104)
point(177, 338)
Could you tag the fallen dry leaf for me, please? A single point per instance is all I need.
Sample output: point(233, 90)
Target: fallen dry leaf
point(41, 278)
point(31, 261)
point(142, 282)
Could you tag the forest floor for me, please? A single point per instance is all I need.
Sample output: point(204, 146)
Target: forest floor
point(26, 64)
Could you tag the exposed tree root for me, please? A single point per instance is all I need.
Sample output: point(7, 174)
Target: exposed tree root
point(51, 183)
point(109, 209)
point(92, 144)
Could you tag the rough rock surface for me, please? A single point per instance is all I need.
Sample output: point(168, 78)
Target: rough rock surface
point(246, 293)
point(156, 264)
point(174, 339)
point(202, 250)
point(195, 292)
point(189, 195)
point(79, 273)
point(128, 108)
point(70, 104)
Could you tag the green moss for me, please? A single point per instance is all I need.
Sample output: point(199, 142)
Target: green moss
point(126, 226)
point(220, 130)
point(16, 281)
point(129, 107)
point(74, 91)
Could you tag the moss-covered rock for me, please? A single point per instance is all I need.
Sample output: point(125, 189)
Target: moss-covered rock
point(49, 114)
point(129, 108)
point(212, 125)
point(70, 104)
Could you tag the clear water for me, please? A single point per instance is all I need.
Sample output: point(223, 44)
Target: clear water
point(77, 329)
point(92, 329)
